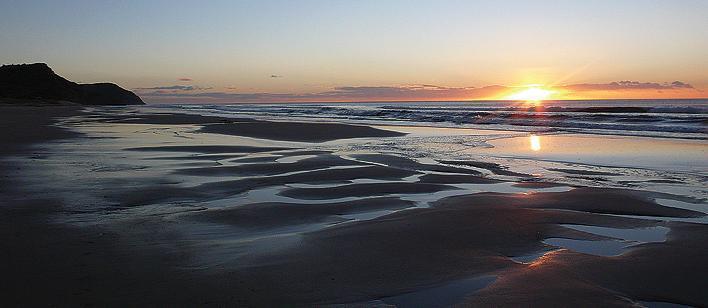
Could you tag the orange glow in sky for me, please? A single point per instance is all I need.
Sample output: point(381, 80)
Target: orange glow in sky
point(337, 51)
point(533, 94)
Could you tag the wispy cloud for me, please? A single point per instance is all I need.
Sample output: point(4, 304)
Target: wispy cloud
point(628, 85)
point(169, 89)
point(417, 92)
point(344, 93)
point(176, 87)
point(399, 92)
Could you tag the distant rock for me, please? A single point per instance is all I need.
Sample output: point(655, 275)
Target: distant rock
point(110, 93)
point(37, 82)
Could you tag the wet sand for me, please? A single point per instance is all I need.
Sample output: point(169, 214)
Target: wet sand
point(670, 272)
point(293, 131)
point(119, 219)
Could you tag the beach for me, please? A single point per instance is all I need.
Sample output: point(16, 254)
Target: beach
point(166, 206)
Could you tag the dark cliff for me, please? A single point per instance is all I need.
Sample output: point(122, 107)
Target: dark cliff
point(38, 82)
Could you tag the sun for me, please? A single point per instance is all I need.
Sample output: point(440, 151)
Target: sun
point(533, 94)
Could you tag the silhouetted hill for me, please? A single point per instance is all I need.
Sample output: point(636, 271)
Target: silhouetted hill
point(38, 82)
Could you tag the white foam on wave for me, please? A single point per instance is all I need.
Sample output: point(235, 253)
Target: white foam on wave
point(643, 118)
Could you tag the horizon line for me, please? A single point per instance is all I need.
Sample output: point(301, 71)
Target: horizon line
point(431, 101)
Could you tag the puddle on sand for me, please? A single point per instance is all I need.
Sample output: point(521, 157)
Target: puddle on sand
point(698, 207)
point(294, 159)
point(366, 215)
point(425, 200)
point(607, 248)
point(625, 238)
point(644, 235)
point(529, 258)
point(442, 296)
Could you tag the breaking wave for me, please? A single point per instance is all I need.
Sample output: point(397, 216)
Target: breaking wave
point(658, 118)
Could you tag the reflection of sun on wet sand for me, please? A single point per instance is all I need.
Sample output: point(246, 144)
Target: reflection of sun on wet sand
point(629, 151)
point(535, 142)
point(174, 209)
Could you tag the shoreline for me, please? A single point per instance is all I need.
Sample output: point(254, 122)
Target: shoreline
point(466, 114)
point(179, 222)
point(457, 101)
point(551, 131)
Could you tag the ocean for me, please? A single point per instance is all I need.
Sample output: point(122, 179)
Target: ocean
point(653, 118)
point(636, 144)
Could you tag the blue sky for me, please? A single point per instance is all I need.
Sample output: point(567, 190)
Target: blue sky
point(315, 46)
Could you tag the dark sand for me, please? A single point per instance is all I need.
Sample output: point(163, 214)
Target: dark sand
point(24, 126)
point(151, 193)
point(278, 214)
point(207, 149)
point(206, 157)
point(534, 184)
point(285, 131)
point(363, 190)
point(494, 168)
point(407, 163)
point(456, 179)
point(421, 248)
point(318, 162)
point(588, 200)
point(170, 118)
point(194, 256)
point(671, 272)
point(294, 131)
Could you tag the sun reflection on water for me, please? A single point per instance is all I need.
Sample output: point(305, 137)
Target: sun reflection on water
point(535, 142)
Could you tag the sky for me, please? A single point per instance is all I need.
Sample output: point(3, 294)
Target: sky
point(253, 51)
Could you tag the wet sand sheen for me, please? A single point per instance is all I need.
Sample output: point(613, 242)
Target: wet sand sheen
point(175, 235)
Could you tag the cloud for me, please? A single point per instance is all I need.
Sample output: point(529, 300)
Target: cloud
point(344, 93)
point(416, 92)
point(169, 89)
point(627, 85)
point(176, 87)
point(184, 79)
point(679, 84)
point(276, 76)
point(412, 92)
